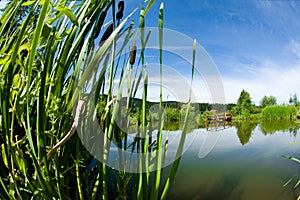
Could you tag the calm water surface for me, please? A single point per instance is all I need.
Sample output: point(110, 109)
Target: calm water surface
point(245, 163)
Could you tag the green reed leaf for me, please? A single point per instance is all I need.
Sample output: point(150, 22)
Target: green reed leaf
point(4, 157)
point(67, 11)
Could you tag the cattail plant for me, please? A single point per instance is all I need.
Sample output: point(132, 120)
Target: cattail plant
point(133, 55)
point(297, 184)
point(45, 52)
point(107, 33)
point(45, 63)
point(120, 10)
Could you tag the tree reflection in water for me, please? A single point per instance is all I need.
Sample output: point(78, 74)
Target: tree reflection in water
point(271, 126)
point(244, 130)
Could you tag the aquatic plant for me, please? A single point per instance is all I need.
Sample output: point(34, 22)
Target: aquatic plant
point(45, 62)
point(291, 179)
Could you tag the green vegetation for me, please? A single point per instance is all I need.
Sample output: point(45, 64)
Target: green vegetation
point(271, 126)
point(244, 130)
point(43, 52)
point(294, 100)
point(268, 101)
point(243, 110)
point(244, 104)
point(47, 66)
point(297, 184)
point(38, 51)
point(279, 112)
point(41, 57)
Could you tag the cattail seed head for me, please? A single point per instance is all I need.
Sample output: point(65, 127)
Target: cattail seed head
point(121, 5)
point(107, 33)
point(133, 54)
point(119, 15)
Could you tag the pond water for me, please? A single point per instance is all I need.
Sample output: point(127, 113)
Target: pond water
point(245, 163)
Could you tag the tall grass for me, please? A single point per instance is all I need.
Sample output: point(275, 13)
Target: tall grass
point(297, 181)
point(40, 59)
point(45, 62)
point(279, 112)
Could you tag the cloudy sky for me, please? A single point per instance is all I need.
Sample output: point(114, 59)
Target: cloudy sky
point(255, 45)
point(2, 4)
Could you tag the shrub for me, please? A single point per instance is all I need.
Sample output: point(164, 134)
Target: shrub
point(279, 112)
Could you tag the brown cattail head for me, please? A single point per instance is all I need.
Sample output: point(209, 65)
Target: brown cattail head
point(121, 5)
point(121, 9)
point(132, 54)
point(119, 15)
point(107, 33)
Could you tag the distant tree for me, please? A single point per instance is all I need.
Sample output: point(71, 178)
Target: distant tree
point(204, 107)
point(173, 114)
point(230, 106)
point(294, 100)
point(219, 107)
point(268, 101)
point(244, 103)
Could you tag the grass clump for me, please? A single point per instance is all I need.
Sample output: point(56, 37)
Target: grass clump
point(279, 112)
point(47, 60)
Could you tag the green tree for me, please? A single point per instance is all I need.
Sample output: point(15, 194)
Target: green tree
point(230, 106)
point(173, 114)
point(244, 103)
point(294, 100)
point(268, 101)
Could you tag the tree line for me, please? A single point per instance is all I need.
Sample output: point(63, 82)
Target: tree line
point(244, 108)
point(267, 108)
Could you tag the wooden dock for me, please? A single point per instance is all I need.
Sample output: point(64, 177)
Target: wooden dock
point(217, 126)
point(216, 116)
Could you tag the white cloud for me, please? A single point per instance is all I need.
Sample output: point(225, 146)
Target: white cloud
point(271, 80)
point(3, 4)
point(263, 78)
point(294, 47)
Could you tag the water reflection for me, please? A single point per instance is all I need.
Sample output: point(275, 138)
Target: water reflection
point(234, 170)
point(235, 135)
point(217, 125)
point(244, 130)
point(271, 126)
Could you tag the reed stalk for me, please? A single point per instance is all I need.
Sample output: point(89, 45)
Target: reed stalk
point(47, 60)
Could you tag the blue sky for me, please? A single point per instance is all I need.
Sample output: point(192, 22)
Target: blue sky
point(254, 44)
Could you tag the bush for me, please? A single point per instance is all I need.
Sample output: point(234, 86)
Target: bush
point(173, 114)
point(279, 112)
